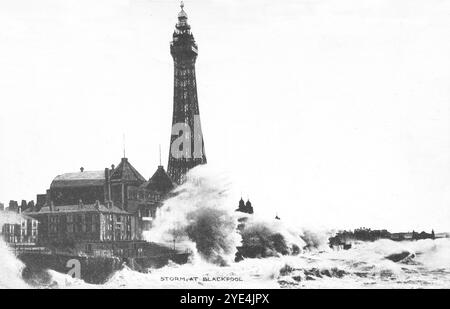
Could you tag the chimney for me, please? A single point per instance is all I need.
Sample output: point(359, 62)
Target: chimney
point(82, 169)
point(107, 185)
point(48, 198)
point(52, 206)
point(97, 204)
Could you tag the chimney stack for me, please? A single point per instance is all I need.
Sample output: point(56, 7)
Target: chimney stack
point(48, 198)
point(107, 186)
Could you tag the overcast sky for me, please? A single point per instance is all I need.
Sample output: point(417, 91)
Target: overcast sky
point(331, 113)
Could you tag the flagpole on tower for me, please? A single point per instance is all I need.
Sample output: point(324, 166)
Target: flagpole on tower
point(124, 153)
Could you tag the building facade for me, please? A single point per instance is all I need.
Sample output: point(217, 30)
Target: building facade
point(25, 231)
point(92, 207)
point(70, 224)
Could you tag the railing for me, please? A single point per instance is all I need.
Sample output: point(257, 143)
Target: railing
point(21, 248)
point(28, 248)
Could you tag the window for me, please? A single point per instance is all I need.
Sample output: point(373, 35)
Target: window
point(94, 223)
point(88, 222)
point(69, 225)
point(83, 223)
point(53, 224)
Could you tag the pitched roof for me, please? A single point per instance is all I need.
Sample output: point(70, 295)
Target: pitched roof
point(160, 181)
point(80, 179)
point(27, 217)
point(126, 172)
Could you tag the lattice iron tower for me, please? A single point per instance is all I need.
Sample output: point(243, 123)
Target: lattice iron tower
point(186, 142)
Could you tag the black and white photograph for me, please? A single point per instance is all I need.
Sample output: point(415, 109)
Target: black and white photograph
point(225, 145)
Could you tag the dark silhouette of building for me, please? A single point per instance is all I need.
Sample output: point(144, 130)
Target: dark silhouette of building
point(249, 207)
point(245, 207)
point(241, 206)
point(423, 235)
point(23, 205)
point(13, 206)
point(30, 206)
point(366, 234)
point(2, 207)
point(40, 201)
point(186, 142)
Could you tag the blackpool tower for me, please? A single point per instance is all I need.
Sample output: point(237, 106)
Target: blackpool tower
point(186, 141)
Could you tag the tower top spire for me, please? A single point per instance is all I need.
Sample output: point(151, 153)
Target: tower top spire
point(184, 51)
point(182, 14)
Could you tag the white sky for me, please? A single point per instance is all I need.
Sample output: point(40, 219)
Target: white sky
point(331, 113)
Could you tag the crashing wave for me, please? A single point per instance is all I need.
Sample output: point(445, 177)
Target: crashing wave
point(10, 267)
point(200, 217)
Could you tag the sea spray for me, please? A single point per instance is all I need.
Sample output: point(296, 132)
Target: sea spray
point(363, 266)
point(266, 238)
point(315, 239)
point(200, 217)
point(261, 238)
point(10, 267)
point(212, 231)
